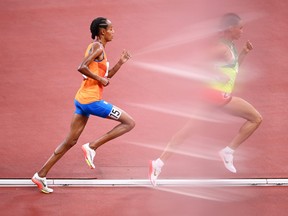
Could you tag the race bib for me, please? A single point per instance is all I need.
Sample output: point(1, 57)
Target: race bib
point(115, 113)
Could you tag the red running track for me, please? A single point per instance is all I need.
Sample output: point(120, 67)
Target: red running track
point(42, 44)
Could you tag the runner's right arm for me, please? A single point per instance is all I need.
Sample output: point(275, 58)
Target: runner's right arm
point(96, 51)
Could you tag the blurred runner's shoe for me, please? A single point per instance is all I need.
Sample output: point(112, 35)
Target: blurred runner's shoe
point(227, 158)
point(89, 155)
point(41, 183)
point(155, 170)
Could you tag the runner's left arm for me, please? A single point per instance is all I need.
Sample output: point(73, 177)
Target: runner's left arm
point(247, 48)
point(125, 56)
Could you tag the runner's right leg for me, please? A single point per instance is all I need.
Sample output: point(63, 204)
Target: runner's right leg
point(77, 126)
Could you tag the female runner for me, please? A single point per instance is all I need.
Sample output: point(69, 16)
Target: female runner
point(218, 96)
point(88, 101)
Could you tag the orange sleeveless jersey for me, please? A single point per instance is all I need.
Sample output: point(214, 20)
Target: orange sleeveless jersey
point(91, 90)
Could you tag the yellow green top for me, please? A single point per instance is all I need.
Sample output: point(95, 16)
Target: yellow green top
point(230, 70)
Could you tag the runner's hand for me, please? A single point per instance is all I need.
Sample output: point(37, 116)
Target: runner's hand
point(248, 47)
point(105, 81)
point(125, 56)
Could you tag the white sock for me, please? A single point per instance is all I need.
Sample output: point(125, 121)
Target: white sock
point(229, 150)
point(159, 162)
point(37, 176)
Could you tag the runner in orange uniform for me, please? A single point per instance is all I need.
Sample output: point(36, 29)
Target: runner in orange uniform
point(88, 101)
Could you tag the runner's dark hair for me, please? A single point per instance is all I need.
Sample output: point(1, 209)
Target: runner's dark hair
point(229, 20)
point(96, 24)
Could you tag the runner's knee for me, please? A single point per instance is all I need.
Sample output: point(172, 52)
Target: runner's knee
point(258, 119)
point(65, 146)
point(128, 121)
point(131, 124)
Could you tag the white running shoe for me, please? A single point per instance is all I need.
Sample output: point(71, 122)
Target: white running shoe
point(155, 170)
point(41, 184)
point(227, 158)
point(89, 155)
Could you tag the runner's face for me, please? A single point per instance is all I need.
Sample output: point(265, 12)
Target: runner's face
point(237, 31)
point(109, 31)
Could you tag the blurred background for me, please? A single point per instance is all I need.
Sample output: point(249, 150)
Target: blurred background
point(43, 42)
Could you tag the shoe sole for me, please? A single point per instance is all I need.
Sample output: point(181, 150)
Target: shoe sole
point(86, 158)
